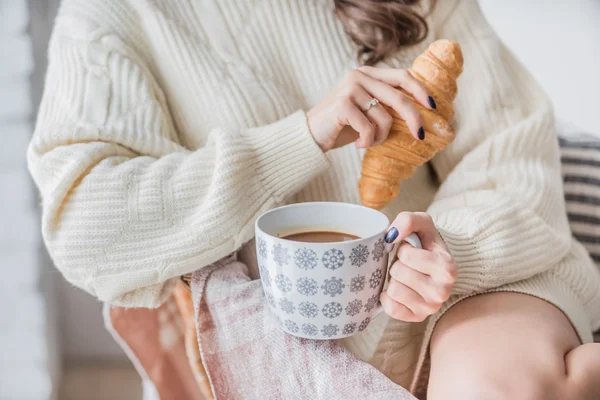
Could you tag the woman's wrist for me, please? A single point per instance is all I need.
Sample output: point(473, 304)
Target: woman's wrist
point(324, 148)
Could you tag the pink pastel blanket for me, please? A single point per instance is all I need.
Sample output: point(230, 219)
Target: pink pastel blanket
point(244, 354)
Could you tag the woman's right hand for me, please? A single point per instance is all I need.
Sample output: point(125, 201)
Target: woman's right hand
point(340, 118)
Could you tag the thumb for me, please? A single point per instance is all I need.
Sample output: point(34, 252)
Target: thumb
point(409, 222)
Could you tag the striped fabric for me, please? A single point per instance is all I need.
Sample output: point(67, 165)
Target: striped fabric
point(581, 173)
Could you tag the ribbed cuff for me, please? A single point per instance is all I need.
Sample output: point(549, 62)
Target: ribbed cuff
point(499, 244)
point(465, 253)
point(456, 230)
point(287, 155)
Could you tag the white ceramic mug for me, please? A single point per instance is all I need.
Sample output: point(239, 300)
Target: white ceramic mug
point(323, 290)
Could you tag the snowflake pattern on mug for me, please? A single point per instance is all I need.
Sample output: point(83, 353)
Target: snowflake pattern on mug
point(332, 310)
point(375, 279)
point(333, 287)
point(372, 302)
point(308, 309)
point(349, 328)
point(364, 324)
point(262, 247)
point(333, 259)
point(307, 286)
point(330, 330)
point(271, 300)
point(378, 250)
point(286, 306)
point(291, 326)
point(283, 283)
point(309, 329)
point(265, 275)
point(305, 258)
point(354, 307)
point(357, 284)
point(359, 255)
point(280, 255)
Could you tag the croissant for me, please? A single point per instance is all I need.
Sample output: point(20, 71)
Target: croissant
point(386, 165)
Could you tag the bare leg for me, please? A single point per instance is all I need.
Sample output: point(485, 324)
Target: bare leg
point(510, 346)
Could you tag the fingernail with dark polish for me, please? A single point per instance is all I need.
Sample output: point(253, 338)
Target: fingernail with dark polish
point(391, 235)
point(421, 133)
point(431, 102)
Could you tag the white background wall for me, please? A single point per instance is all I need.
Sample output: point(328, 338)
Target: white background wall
point(29, 341)
point(559, 41)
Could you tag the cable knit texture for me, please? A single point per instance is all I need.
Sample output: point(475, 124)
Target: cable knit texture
point(166, 128)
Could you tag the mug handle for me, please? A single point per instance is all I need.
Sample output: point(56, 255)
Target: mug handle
point(415, 242)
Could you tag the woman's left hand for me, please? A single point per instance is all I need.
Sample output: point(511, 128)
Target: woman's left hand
point(421, 279)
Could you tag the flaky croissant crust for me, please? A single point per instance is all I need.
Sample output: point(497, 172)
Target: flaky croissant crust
point(385, 166)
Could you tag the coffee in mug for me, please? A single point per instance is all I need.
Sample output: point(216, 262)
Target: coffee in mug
point(320, 237)
point(323, 266)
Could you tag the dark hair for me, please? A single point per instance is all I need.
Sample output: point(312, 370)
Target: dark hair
point(380, 27)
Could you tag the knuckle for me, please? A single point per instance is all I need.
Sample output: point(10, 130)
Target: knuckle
point(344, 104)
point(387, 118)
point(354, 75)
point(447, 282)
point(399, 99)
point(367, 133)
point(386, 121)
point(429, 307)
point(344, 92)
point(404, 257)
point(441, 295)
point(406, 218)
point(348, 89)
point(447, 292)
point(413, 112)
point(446, 279)
point(380, 136)
point(433, 308)
point(428, 310)
point(393, 310)
point(451, 271)
point(404, 276)
point(425, 216)
point(397, 313)
point(404, 75)
point(395, 269)
point(353, 87)
point(437, 298)
point(420, 317)
point(418, 117)
point(393, 289)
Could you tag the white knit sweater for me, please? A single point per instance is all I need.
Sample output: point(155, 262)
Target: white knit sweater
point(167, 127)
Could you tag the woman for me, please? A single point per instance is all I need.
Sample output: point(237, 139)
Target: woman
point(166, 128)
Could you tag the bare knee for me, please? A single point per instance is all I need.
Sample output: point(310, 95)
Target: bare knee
point(582, 366)
point(510, 346)
point(579, 379)
point(488, 384)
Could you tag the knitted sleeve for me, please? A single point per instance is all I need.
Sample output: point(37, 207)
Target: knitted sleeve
point(126, 207)
point(500, 207)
